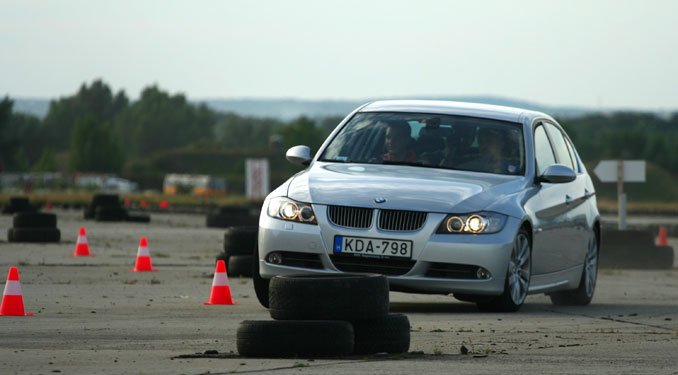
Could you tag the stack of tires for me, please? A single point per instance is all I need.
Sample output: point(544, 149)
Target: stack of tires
point(108, 207)
point(239, 244)
point(326, 316)
point(18, 204)
point(34, 227)
point(229, 216)
point(105, 207)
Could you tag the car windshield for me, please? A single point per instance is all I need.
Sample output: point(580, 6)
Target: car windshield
point(434, 141)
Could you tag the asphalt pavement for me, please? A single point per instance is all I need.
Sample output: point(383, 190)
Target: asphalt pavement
point(92, 315)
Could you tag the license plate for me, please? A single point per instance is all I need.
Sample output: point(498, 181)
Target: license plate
point(372, 247)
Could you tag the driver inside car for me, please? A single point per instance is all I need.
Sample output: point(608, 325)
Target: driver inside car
point(399, 144)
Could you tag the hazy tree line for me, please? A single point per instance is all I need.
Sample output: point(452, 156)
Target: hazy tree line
point(97, 130)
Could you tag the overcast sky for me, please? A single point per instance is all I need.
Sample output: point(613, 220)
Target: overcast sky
point(600, 54)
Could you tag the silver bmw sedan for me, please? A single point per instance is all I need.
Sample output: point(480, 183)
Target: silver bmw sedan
point(485, 202)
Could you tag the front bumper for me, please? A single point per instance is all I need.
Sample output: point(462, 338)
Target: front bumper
point(489, 251)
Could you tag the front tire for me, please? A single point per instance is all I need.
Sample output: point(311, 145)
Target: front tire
point(583, 295)
point(261, 285)
point(518, 276)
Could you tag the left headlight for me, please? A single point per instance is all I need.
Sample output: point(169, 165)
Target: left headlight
point(474, 223)
point(291, 210)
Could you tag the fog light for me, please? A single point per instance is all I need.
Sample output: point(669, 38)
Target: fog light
point(483, 273)
point(275, 258)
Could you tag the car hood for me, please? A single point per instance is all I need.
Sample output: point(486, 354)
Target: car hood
point(402, 187)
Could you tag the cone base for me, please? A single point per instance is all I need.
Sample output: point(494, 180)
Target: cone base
point(232, 303)
point(136, 270)
point(81, 255)
point(25, 314)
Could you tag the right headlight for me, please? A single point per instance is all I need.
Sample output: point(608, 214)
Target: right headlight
point(291, 210)
point(473, 223)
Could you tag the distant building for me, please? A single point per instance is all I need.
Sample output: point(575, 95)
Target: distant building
point(200, 185)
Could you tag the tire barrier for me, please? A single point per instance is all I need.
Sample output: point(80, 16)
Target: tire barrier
point(226, 216)
point(239, 242)
point(109, 208)
point(326, 316)
point(18, 204)
point(34, 227)
point(633, 249)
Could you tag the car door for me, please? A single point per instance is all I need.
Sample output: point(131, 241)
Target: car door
point(551, 221)
point(575, 235)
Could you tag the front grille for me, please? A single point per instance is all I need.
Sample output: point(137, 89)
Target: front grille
point(389, 267)
point(452, 271)
point(350, 217)
point(301, 260)
point(404, 221)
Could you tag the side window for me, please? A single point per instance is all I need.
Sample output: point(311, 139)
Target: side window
point(559, 146)
point(542, 150)
point(573, 155)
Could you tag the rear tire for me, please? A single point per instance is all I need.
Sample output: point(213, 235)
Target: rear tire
point(517, 281)
point(583, 295)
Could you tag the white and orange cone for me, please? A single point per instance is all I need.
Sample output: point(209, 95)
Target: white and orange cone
point(143, 262)
point(221, 290)
point(12, 299)
point(81, 245)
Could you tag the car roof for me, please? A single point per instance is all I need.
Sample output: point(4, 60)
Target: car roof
point(444, 107)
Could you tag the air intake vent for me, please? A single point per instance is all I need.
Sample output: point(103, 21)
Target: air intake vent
point(403, 221)
point(350, 217)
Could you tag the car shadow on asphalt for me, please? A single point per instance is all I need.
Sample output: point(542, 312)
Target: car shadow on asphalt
point(594, 310)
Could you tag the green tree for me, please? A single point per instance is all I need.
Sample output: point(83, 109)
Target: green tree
point(96, 100)
point(159, 121)
point(94, 149)
point(47, 162)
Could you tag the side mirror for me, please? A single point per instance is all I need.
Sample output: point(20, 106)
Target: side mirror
point(558, 174)
point(299, 155)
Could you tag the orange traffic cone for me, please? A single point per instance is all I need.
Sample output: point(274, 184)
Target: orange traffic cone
point(661, 239)
point(221, 290)
point(12, 300)
point(143, 263)
point(81, 245)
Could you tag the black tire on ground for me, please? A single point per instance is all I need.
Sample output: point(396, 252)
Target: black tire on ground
point(261, 285)
point(88, 212)
point(390, 334)
point(105, 200)
point(240, 240)
point(240, 265)
point(35, 235)
point(34, 220)
point(220, 220)
point(580, 296)
point(139, 218)
point(104, 213)
point(294, 338)
point(504, 302)
point(329, 297)
point(19, 201)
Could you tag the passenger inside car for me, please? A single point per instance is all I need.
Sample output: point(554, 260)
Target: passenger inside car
point(398, 142)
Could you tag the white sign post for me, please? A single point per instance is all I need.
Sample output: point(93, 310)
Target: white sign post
point(257, 183)
point(621, 171)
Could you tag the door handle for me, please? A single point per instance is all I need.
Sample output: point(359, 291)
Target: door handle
point(568, 199)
